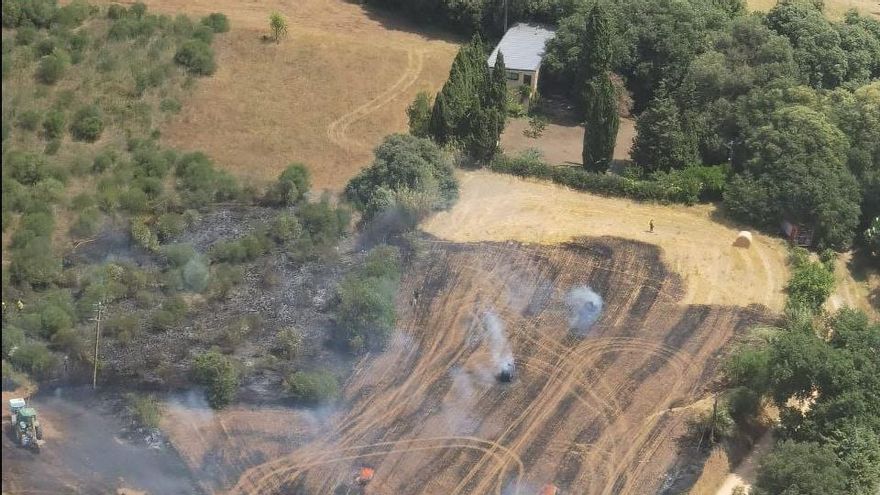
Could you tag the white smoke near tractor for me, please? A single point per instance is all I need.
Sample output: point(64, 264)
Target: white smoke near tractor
point(499, 347)
point(585, 307)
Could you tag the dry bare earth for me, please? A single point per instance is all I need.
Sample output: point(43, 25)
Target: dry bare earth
point(324, 96)
point(833, 8)
point(562, 142)
point(594, 415)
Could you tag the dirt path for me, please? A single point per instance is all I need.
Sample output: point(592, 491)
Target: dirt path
point(496, 207)
point(744, 474)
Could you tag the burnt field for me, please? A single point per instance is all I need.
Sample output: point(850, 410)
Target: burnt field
point(608, 363)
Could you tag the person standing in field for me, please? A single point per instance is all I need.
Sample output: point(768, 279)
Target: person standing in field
point(651, 226)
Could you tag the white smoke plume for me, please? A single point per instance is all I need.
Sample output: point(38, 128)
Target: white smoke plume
point(585, 307)
point(496, 338)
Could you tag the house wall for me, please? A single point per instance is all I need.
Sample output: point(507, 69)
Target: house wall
point(520, 78)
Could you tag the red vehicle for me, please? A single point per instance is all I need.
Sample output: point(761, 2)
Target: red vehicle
point(365, 475)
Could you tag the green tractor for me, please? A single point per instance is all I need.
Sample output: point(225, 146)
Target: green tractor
point(25, 425)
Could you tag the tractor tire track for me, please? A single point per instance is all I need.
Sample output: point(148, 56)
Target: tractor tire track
point(337, 131)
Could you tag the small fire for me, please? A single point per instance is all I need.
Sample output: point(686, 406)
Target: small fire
point(365, 475)
point(549, 490)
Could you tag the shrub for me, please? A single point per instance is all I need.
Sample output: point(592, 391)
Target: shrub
point(170, 225)
point(323, 226)
point(29, 120)
point(13, 338)
point(116, 11)
point(24, 35)
point(292, 185)
point(170, 105)
point(204, 34)
point(810, 285)
point(87, 223)
point(53, 124)
point(217, 22)
point(73, 14)
point(87, 124)
point(223, 278)
point(34, 358)
point(34, 263)
point(195, 275)
point(365, 313)
point(196, 56)
point(313, 386)
point(290, 342)
point(247, 248)
point(219, 374)
point(143, 235)
point(52, 67)
point(403, 165)
point(146, 410)
point(286, 228)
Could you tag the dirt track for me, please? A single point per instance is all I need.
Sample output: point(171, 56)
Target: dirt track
point(594, 414)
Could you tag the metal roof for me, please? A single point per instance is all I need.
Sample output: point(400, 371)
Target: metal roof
point(522, 46)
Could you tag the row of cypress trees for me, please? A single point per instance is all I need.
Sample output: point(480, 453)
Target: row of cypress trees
point(601, 121)
point(471, 109)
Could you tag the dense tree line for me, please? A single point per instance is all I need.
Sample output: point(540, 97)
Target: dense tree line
point(788, 100)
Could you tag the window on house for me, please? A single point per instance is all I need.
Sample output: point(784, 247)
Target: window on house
point(527, 79)
point(512, 76)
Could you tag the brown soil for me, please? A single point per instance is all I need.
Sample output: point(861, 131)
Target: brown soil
point(562, 142)
point(324, 96)
point(595, 415)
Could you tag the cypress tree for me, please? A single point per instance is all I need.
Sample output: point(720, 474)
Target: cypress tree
point(661, 142)
point(498, 91)
point(600, 117)
point(602, 122)
point(597, 50)
point(439, 126)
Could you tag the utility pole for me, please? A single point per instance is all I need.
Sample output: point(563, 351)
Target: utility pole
point(99, 314)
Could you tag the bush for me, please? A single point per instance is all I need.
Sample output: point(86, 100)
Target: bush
point(810, 285)
point(292, 186)
point(35, 359)
point(197, 57)
point(217, 22)
point(313, 386)
point(52, 67)
point(116, 11)
point(53, 124)
point(73, 14)
point(290, 343)
point(170, 105)
point(170, 225)
point(29, 120)
point(220, 374)
point(247, 248)
point(87, 124)
point(87, 223)
point(404, 165)
point(323, 226)
point(146, 410)
point(366, 311)
point(204, 34)
point(804, 468)
point(681, 186)
point(286, 228)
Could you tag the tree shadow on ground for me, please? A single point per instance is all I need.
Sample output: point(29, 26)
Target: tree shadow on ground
point(394, 21)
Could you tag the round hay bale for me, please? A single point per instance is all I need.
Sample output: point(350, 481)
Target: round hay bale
point(743, 239)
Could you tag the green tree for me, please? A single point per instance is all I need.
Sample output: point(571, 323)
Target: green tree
point(801, 469)
point(440, 126)
point(197, 57)
point(278, 26)
point(419, 114)
point(220, 374)
point(292, 185)
point(600, 124)
point(597, 46)
point(497, 92)
point(661, 142)
point(87, 124)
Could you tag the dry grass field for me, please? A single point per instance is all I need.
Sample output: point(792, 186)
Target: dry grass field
point(834, 8)
point(324, 96)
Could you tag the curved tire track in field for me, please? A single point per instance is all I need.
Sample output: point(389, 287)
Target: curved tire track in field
point(337, 131)
point(265, 477)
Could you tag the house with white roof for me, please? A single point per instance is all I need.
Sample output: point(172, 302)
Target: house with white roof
point(523, 47)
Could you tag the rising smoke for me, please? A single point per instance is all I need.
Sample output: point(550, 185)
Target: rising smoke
point(585, 307)
point(496, 338)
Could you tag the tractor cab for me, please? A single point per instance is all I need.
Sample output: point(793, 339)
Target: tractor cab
point(16, 405)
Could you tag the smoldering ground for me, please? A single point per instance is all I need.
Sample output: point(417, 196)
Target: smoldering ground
point(585, 307)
